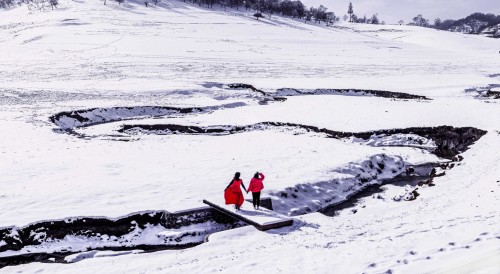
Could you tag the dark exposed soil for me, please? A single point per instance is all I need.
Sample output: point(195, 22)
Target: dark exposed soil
point(246, 86)
point(79, 114)
point(35, 234)
point(487, 91)
point(82, 115)
point(450, 141)
point(361, 92)
point(421, 173)
point(493, 94)
point(59, 257)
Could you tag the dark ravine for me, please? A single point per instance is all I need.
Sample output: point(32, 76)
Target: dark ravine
point(493, 94)
point(59, 257)
point(421, 173)
point(419, 176)
point(37, 233)
point(96, 116)
point(450, 140)
point(69, 121)
point(358, 92)
point(281, 93)
point(267, 96)
point(80, 115)
point(246, 86)
point(486, 92)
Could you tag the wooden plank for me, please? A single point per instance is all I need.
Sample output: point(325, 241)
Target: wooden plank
point(262, 219)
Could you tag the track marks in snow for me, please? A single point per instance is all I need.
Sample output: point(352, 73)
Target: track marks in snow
point(414, 258)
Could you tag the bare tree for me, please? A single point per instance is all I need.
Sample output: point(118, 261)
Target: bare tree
point(419, 20)
point(53, 3)
point(437, 22)
point(350, 11)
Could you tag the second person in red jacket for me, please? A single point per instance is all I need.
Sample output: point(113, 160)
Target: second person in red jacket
point(256, 187)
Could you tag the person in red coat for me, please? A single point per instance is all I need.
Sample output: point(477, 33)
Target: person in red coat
point(256, 187)
point(233, 194)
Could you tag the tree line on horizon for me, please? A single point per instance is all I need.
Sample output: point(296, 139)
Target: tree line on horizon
point(288, 8)
point(481, 20)
point(31, 4)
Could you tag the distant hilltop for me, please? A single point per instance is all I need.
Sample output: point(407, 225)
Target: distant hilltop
point(476, 23)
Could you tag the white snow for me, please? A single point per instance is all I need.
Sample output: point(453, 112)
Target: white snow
point(180, 55)
point(97, 254)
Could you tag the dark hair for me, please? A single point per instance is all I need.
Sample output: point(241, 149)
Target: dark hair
point(237, 176)
point(256, 175)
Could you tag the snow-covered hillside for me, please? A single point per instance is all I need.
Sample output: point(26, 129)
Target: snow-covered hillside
point(476, 23)
point(111, 110)
point(493, 31)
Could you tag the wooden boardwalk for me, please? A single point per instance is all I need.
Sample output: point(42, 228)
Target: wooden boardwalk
point(262, 219)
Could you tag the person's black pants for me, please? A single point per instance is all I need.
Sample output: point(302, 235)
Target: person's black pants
point(256, 199)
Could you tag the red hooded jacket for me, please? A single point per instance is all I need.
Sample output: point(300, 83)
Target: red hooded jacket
point(256, 185)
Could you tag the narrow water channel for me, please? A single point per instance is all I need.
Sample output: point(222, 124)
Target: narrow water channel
point(421, 172)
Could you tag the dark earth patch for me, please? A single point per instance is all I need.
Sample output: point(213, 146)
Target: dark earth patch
point(37, 233)
point(450, 140)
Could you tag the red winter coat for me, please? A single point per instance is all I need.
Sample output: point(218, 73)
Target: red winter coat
point(256, 185)
point(233, 194)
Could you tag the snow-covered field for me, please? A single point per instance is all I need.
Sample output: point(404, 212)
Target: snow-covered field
point(149, 66)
